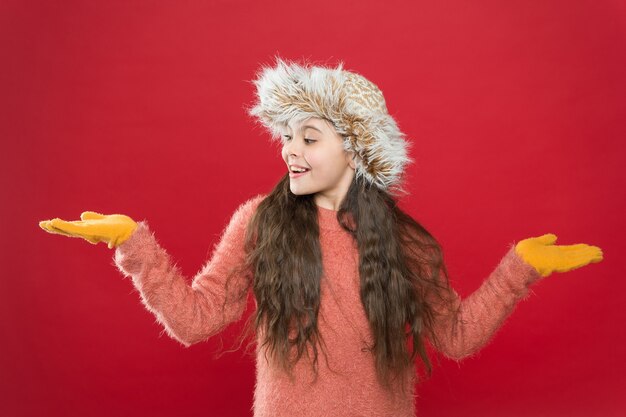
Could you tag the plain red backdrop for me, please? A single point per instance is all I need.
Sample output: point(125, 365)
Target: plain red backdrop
point(516, 113)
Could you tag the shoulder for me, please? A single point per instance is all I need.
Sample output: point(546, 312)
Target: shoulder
point(246, 209)
point(251, 204)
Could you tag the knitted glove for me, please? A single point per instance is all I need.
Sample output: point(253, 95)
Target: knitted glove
point(113, 229)
point(547, 258)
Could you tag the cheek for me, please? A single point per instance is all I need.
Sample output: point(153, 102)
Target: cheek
point(324, 166)
point(316, 161)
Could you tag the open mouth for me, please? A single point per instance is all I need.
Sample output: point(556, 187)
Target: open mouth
point(295, 174)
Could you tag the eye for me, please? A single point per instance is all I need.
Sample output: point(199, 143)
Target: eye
point(287, 138)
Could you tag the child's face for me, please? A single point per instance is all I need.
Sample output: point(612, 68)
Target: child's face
point(316, 145)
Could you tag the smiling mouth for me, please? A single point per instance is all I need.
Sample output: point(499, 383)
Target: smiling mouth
point(298, 174)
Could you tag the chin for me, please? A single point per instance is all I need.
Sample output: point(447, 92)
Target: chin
point(300, 191)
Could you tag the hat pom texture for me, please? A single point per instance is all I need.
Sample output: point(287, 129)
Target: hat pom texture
point(290, 91)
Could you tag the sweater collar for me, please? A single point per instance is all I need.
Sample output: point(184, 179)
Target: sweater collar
point(327, 219)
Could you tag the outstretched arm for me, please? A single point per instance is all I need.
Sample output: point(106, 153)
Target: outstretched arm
point(469, 324)
point(463, 327)
point(190, 313)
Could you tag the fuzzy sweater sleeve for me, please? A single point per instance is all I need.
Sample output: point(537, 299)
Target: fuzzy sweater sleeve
point(190, 313)
point(471, 323)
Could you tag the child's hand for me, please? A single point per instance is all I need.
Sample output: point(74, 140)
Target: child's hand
point(541, 253)
point(113, 229)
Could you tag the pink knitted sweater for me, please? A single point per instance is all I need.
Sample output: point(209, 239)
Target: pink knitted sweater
point(346, 384)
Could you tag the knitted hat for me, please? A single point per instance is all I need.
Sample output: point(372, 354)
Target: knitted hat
point(355, 106)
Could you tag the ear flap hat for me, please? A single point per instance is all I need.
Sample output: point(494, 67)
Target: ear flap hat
point(355, 106)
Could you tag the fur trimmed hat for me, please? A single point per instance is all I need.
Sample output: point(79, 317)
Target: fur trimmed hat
point(354, 105)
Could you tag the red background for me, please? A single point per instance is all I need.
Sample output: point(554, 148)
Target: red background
point(516, 112)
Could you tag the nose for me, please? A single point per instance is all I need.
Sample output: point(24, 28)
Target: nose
point(293, 146)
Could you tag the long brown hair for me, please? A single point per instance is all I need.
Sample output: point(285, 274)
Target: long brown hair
point(400, 267)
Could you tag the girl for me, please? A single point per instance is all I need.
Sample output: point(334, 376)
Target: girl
point(337, 270)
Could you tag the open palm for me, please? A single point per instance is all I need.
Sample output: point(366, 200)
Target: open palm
point(113, 229)
point(546, 257)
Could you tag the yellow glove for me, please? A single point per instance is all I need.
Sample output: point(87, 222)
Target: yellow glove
point(545, 257)
point(113, 229)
